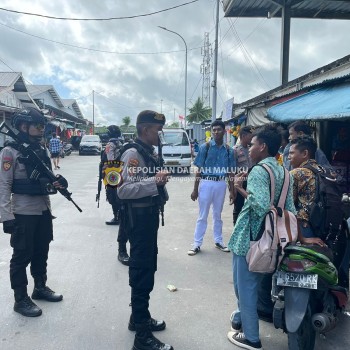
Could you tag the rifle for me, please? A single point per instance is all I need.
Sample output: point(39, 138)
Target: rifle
point(40, 168)
point(163, 193)
point(99, 184)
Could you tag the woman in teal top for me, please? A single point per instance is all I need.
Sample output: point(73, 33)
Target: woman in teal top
point(263, 149)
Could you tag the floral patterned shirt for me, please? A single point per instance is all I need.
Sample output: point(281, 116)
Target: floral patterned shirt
point(304, 189)
point(257, 204)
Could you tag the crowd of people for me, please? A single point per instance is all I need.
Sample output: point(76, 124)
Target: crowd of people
point(137, 195)
point(293, 149)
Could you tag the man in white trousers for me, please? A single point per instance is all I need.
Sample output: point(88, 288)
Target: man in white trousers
point(216, 164)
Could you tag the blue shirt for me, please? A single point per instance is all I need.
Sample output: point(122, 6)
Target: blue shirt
point(55, 145)
point(217, 160)
point(257, 204)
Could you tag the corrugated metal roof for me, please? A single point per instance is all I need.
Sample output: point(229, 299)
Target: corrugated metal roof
point(325, 9)
point(8, 78)
point(65, 113)
point(36, 90)
point(26, 99)
point(73, 103)
point(13, 80)
point(339, 69)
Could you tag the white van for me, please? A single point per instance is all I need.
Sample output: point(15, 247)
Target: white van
point(177, 150)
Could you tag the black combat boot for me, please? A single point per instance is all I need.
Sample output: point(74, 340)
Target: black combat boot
point(114, 221)
point(123, 256)
point(154, 325)
point(144, 339)
point(24, 305)
point(41, 291)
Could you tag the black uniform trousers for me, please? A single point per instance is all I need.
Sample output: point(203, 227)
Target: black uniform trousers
point(30, 242)
point(122, 231)
point(143, 224)
point(114, 201)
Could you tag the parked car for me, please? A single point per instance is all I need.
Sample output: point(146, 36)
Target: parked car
point(90, 144)
point(177, 150)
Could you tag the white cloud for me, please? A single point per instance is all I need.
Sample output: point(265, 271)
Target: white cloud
point(130, 83)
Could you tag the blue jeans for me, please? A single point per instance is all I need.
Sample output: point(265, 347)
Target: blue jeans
point(246, 289)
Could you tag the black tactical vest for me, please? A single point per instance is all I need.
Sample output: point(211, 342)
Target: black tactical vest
point(35, 184)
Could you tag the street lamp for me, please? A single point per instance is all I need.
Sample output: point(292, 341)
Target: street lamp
point(168, 30)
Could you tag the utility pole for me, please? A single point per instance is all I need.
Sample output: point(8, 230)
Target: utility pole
point(93, 112)
point(214, 82)
point(171, 31)
point(161, 106)
point(206, 70)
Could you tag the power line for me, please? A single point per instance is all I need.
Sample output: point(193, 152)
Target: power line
point(249, 59)
point(200, 79)
point(95, 50)
point(235, 21)
point(97, 19)
point(82, 97)
point(249, 35)
point(117, 103)
point(6, 64)
point(25, 80)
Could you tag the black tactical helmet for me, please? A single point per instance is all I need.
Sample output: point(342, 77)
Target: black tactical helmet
point(114, 131)
point(29, 115)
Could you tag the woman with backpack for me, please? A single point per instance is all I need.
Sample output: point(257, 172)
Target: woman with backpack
point(263, 148)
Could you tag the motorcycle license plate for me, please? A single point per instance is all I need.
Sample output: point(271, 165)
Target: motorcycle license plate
point(299, 280)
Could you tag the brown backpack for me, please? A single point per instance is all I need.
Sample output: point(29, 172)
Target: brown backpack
point(279, 228)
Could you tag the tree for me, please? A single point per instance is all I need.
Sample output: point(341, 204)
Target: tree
point(198, 112)
point(126, 120)
point(174, 125)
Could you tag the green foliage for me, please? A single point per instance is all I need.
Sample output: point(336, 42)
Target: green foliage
point(128, 129)
point(100, 129)
point(198, 112)
point(126, 120)
point(173, 125)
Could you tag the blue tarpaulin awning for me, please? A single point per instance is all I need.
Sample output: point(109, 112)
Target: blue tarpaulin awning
point(328, 103)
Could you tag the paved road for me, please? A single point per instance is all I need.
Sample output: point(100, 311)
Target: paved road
point(94, 313)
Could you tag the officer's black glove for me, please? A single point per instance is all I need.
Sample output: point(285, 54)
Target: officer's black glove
point(61, 182)
point(9, 226)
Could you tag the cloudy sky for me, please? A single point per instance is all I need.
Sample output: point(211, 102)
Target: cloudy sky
point(133, 65)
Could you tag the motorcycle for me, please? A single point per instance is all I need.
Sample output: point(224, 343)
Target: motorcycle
point(66, 149)
point(308, 300)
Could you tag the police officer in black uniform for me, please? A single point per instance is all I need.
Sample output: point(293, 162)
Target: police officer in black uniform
point(25, 211)
point(111, 152)
point(143, 193)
